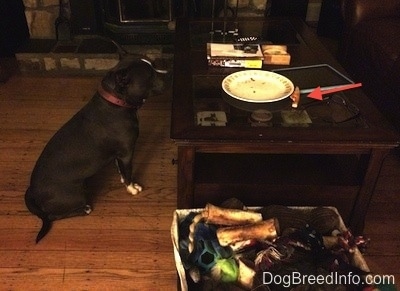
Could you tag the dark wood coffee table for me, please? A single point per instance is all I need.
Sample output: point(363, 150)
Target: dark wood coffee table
point(276, 162)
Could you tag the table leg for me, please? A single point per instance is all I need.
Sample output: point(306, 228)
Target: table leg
point(186, 158)
point(366, 191)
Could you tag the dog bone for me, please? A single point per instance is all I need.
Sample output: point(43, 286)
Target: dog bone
point(224, 216)
point(266, 229)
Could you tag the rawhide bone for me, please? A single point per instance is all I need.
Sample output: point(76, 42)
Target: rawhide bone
point(246, 275)
point(223, 216)
point(266, 229)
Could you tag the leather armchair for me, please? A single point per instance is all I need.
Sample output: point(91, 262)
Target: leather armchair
point(370, 50)
point(355, 11)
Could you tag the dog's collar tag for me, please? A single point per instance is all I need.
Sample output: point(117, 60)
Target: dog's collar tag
point(113, 99)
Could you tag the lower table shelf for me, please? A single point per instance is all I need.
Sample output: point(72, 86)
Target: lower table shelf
point(296, 180)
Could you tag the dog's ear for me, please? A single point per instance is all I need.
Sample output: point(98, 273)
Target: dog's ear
point(121, 80)
point(116, 79)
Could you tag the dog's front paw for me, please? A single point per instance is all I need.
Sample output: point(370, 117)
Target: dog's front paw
point(134, 188)
point(88, 209)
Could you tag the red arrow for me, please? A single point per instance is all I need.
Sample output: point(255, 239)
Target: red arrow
point(317, 93)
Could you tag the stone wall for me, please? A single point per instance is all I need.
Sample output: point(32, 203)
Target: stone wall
point(41, 16)
point(255, 8)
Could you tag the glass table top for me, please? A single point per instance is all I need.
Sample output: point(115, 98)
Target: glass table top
point(213, 107)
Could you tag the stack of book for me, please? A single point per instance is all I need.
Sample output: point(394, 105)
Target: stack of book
point(235, 55)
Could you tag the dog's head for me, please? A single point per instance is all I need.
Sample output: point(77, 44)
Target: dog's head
point(131, 80)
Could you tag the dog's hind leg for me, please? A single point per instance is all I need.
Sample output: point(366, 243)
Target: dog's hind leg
point(125, 171)
point(117, 163)
point(74, 210)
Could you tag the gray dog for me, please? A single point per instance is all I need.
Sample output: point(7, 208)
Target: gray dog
point(103, 131)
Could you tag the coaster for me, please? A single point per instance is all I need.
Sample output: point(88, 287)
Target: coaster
point(295, 117)
point(261, 115)
point(211, 118)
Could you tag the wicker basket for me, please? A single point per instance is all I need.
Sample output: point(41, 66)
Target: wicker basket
point(180, 214)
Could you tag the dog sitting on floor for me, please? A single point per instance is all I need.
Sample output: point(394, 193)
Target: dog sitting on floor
point(104, 130)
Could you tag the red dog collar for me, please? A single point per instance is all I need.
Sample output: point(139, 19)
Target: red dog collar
point(113, 99)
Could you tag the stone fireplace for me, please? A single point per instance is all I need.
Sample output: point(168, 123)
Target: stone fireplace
point(143, 27)
point(92, 26)
point(139, 22)
point(125, 16)
point(96, 17)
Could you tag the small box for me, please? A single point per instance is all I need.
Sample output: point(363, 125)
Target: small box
point(275, 55)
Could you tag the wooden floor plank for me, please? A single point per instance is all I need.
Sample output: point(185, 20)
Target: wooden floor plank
point(71, 259)
point(87, 279)
point(147, 241)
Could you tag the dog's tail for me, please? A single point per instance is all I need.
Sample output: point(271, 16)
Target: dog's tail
point(46, 222)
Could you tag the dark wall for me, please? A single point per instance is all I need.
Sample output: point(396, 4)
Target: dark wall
point(296, 8)
point(330, 22)
point(13, 26)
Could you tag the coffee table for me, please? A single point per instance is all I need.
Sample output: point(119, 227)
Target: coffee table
point(332, 161)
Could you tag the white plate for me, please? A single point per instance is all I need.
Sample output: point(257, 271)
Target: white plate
point(257, 86)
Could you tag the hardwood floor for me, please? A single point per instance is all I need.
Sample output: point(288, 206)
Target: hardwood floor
point(125, 243)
